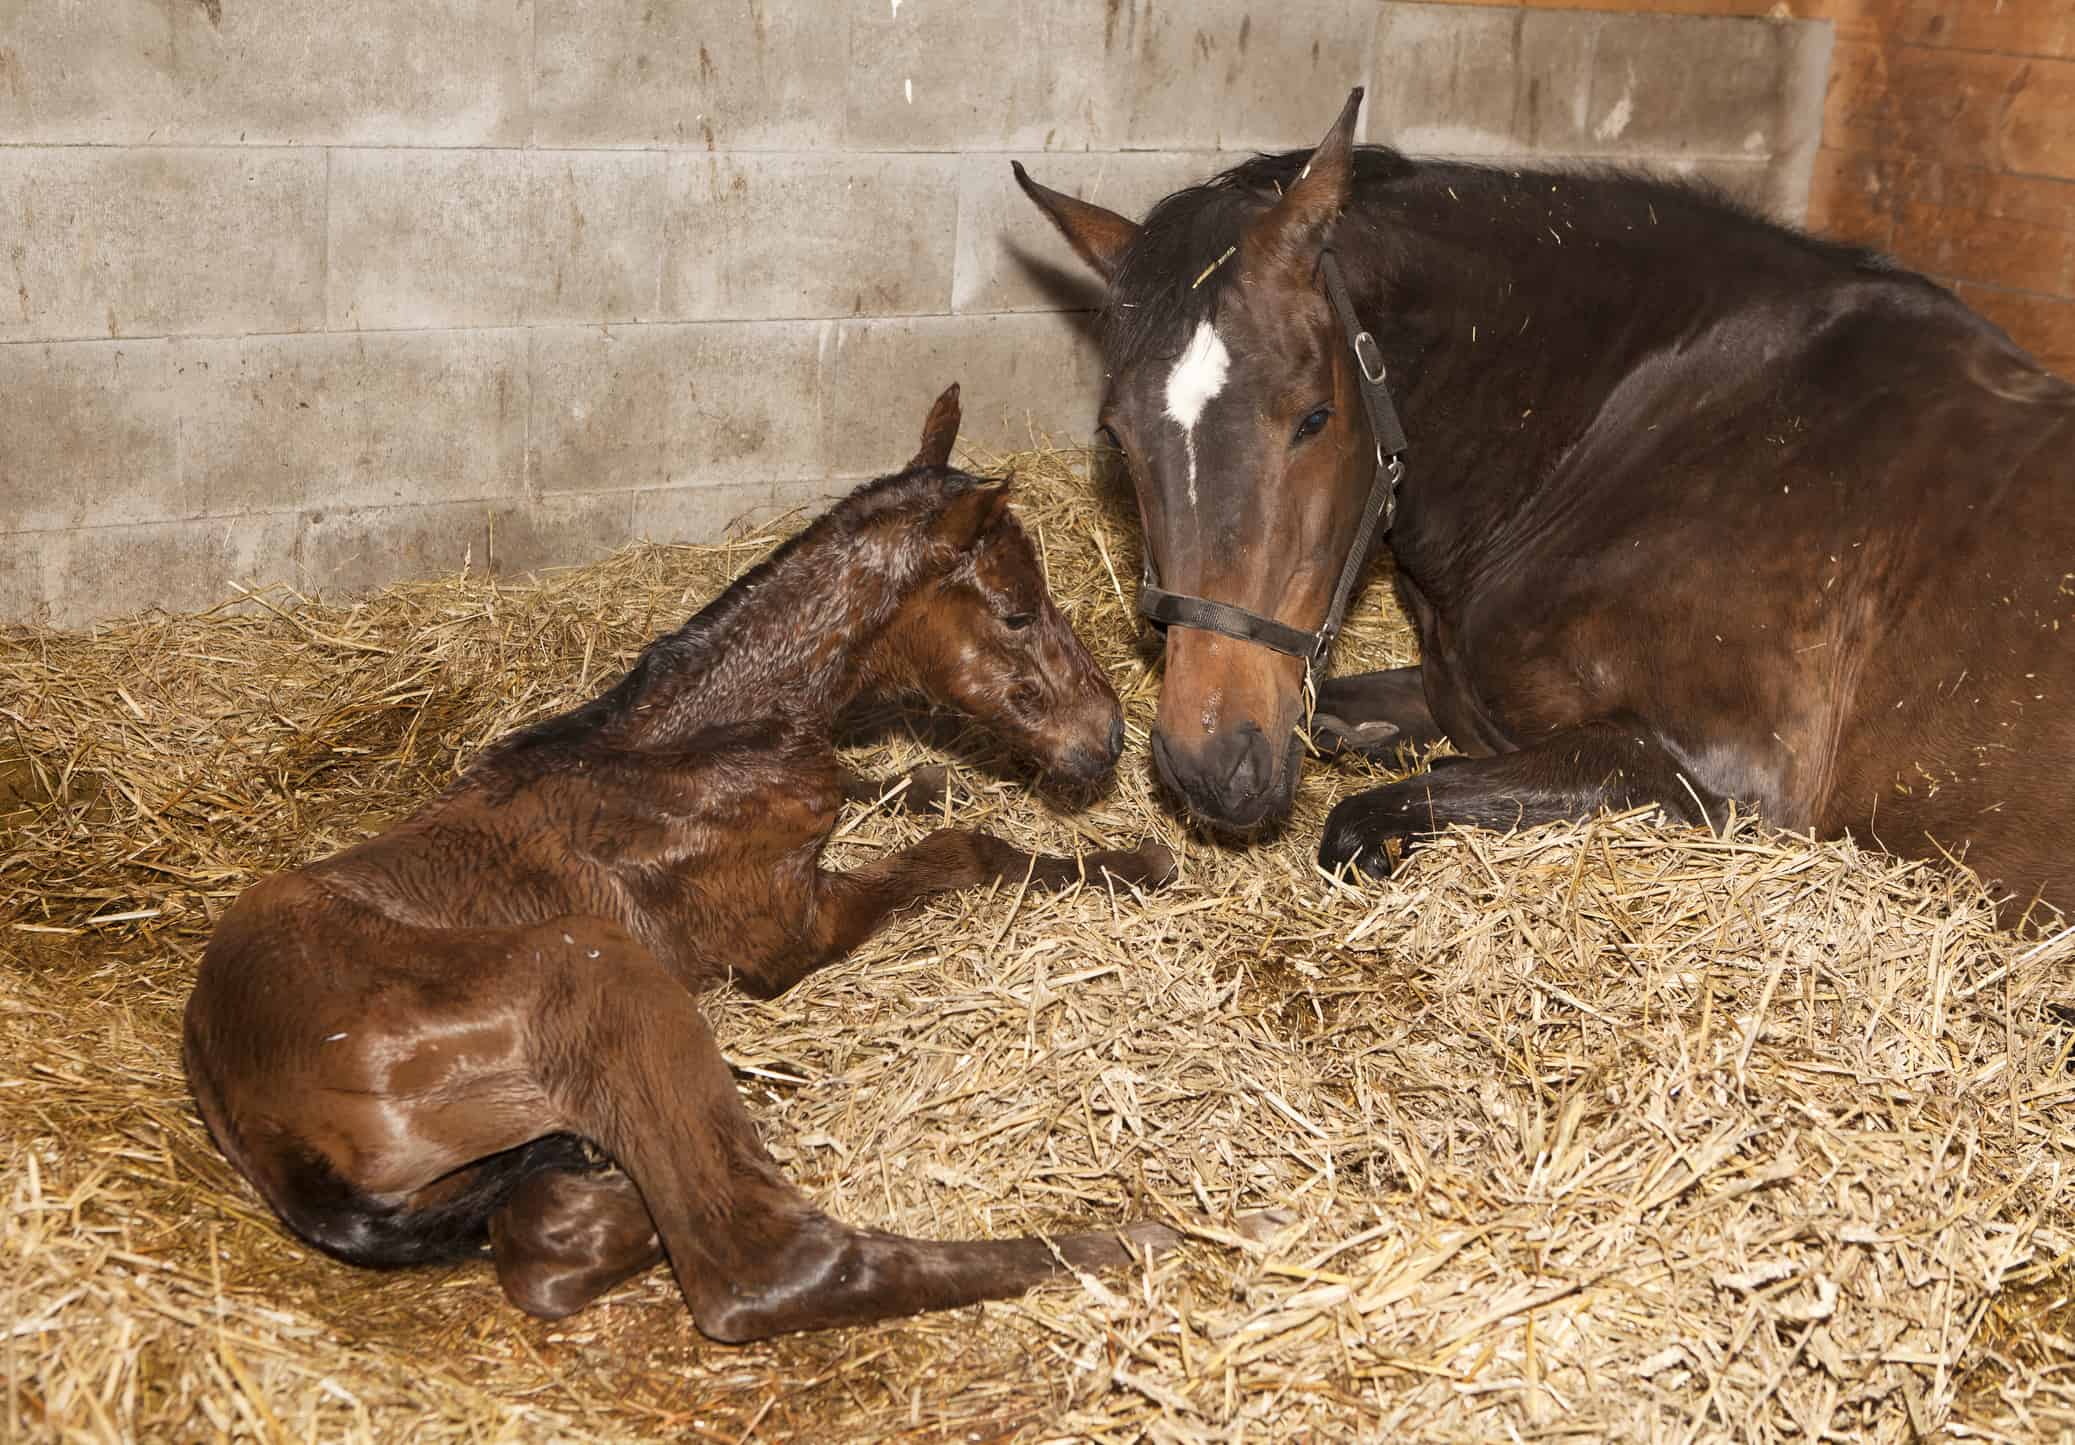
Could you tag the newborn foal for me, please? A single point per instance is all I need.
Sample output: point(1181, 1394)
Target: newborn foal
point(418, 1045)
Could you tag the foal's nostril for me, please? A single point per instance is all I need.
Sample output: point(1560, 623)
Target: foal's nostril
point(1116, 739)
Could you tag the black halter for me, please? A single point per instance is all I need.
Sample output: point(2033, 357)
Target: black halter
point(1164, 609)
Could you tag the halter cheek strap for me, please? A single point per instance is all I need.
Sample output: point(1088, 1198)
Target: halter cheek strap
point(1164, 609)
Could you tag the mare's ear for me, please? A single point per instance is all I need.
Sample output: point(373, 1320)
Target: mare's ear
point(1295, 227)
point(939, 431)
point(1100, 237)
point(967, 516)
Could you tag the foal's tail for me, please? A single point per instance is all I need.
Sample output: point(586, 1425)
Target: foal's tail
point(645, 1079)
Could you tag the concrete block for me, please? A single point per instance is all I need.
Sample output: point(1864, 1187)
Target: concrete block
point(1011, 258)
point(1023, 376)
point(1448, 79)
point(432, 238)
point(1234, 74)
point(439, 72)
point(1703, 86)
point(712, 513)
point(687, 72)
point(23, 594)
point(1552, 78)
point(327, 421)
point(652, 406)
point(359, 549)
point(87, 435)
point(98, 241)
point(96, 572)
point(761, 235)
point(1041, 75)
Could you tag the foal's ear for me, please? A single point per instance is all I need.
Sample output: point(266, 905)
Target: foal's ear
point(1101, 237)
point(939, 431)
point(967, 517)
point(1296, 225)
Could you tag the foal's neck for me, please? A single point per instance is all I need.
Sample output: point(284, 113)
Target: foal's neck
point(788, 640)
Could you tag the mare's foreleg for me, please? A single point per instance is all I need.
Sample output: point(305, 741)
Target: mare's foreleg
point(1614, 764)
point(1374, 714)
point(851, 907)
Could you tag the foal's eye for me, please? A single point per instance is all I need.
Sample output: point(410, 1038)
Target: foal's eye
point(1312, 424)
point(1017, 621)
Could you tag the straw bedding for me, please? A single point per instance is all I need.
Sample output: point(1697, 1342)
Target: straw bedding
point(1606, 1131)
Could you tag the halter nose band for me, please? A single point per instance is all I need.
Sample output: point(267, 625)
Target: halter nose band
point(1176, 609)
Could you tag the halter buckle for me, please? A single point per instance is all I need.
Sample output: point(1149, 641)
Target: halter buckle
point(1369, 357)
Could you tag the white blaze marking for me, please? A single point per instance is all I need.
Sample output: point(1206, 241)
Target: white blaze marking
point(1197, 377)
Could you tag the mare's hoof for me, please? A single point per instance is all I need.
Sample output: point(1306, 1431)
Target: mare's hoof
point(1352, 843)
point(1377, 741)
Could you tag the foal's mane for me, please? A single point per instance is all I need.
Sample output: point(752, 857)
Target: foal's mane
point(1160, 291)
point(818, 556)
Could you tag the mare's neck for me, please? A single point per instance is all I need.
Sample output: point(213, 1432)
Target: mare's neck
point(1516, 308)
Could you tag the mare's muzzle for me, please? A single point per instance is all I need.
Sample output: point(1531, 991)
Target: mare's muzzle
point(1233, 780)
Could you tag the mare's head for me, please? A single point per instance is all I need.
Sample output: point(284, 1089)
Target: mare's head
point(982, 634)
point(1236, 404)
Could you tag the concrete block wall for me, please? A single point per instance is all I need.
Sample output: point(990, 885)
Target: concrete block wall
point(332, 294)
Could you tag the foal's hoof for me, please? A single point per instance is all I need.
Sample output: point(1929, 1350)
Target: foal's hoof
point(926, 789)
point(1146, 1235)
point(1149, 865)
point(1266, 1226)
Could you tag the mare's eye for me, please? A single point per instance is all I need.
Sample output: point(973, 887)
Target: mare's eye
point(1017, 621)
point(1312, 424)
point(1108, 438)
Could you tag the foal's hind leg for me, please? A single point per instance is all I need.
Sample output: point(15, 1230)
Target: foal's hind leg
point(567, 1236)
point(1374, 714)
point(850, 907)
point(636, 1069)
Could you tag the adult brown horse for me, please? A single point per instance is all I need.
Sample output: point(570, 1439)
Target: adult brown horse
point(1697, 508)
point(419, 1048)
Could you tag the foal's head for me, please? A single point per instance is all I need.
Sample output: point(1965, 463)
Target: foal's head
point(1232, 396)
point(982, 634)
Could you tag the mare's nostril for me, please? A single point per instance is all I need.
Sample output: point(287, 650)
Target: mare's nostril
point(1249, 774)
point(1163, 764)
point(1116, 739)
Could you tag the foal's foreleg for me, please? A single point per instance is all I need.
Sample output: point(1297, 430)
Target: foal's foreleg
point(850, 907)
point(1617, 763)
point(924, 793)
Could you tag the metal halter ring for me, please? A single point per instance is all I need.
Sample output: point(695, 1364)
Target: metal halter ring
point(1366, 349)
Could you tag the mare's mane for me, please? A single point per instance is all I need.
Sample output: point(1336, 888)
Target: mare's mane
point(1156, 298)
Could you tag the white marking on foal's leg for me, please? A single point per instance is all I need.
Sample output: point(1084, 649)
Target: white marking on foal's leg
point(1197, 377)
